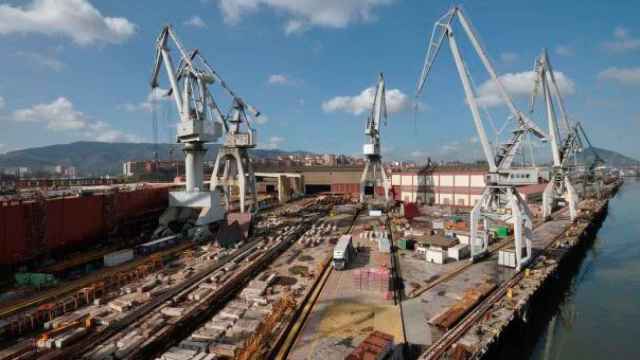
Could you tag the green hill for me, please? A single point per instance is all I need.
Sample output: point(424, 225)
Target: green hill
point(99, 158)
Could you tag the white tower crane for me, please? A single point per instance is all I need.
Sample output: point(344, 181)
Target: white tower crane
point(198, 126)
point(562, 149)
point(500, 200)
point(374, 174)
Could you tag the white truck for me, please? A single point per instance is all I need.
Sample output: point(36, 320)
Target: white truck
point(343, 252)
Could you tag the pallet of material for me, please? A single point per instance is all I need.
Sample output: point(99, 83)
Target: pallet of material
point(254, 314)
point(375, 346)
point(131, 345)
point(232, 312)
point(172, 311)
point(176, 353)
point(222, 324)
point(199, 294)
point(244, 327)
point(451, 316)
point(197, 346)
point(225, 350)
point(126, 339)
point(210, 335)
point(70, 337)
point(120, 305)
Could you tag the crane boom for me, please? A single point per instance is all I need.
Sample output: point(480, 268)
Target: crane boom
point(499, 192)
point(189, 83)
point(503, 158)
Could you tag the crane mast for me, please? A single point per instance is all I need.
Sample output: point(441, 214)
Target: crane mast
point(500, 200)
point(199, 122)
point(374, 173)
point(560, 187)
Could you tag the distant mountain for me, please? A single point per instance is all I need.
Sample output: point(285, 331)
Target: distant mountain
point(99, 158)
point(611, 158)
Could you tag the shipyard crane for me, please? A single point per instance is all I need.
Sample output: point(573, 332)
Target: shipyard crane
point(590, 170)
point(500, 200)
point(565, 144)
point(199, 123)
point(233, 164)
point(374, 173)
point(562, 147)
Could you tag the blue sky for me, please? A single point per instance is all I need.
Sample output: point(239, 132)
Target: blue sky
point(79, 69)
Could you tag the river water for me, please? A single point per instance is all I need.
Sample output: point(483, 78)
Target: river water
point(600, 316)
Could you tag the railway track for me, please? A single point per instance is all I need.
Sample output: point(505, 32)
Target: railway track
point(283, 347)
point(438, 349)
point(92, 340)
point(69, 288)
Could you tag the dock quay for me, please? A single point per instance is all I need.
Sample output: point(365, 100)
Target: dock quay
point(461, 310)
point(506, 321)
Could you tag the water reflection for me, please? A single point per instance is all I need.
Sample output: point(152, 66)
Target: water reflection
point(601, 311)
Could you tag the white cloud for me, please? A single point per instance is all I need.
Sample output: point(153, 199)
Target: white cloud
point(509, 57)
point(77, 19)
point(564, 50)
point(301, 14)
point(622, 41)
point(295, 27)
point(278, 79)
point(518, 85)
point(3, 103)
point(195, 21)
point(60, 115)
point(155, 96)
point(626, 76)
point(261, 120)
point(274, 143)
point(43, 60)
point(396, 101)
point(418, 154)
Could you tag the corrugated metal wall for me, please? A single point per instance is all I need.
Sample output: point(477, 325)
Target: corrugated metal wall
point(353, 188)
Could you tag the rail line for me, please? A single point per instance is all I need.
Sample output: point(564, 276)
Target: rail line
point(438, 349)
point(297, 325)
point(89, 342)
point(66, 289)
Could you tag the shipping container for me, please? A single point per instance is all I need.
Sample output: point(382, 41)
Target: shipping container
point(436, 255)
point(502, 232)
point(35, 279)
point(118, 257)
point(458, 252)
point(405, 244)
point(507, 257)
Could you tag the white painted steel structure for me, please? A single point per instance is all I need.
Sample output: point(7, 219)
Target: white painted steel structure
point(374, 173)
point(189, 84)
point(500, 201)
point(233, 165)
point(562, 147)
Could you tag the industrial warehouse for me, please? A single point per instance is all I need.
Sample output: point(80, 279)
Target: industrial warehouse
point(218, 253)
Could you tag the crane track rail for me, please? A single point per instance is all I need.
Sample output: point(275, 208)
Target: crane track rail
point(439, 348)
